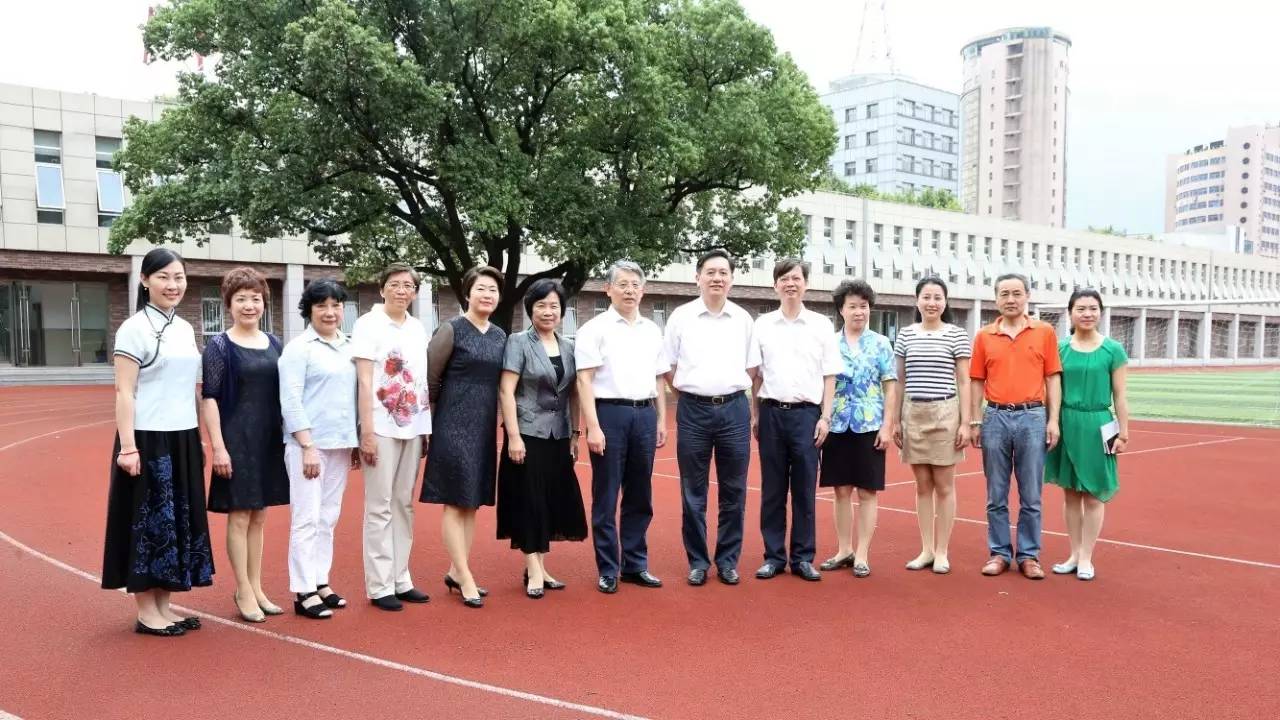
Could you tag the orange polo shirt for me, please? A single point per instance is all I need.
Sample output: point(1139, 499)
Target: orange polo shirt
point(1015, 368)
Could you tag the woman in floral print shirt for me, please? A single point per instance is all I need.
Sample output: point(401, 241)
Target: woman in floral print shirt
point(853, 455)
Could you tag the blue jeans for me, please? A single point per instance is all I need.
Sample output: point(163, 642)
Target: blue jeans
point(626, 468)
point(788, 463)
point(725, 429)
point(1013, 442)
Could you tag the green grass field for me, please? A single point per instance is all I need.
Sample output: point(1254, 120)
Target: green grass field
point(1245, 397)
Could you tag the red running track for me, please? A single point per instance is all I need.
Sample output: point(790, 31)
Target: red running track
point(1180, 623)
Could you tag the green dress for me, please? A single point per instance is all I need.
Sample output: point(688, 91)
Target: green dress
point(1078, 462)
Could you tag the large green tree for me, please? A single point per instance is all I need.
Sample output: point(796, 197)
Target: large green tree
point(451, 133)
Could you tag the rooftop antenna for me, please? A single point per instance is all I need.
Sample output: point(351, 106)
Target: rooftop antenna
point(874, 51)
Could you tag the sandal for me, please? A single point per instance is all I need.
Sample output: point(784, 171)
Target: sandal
point(333, 599)
point(315, 612)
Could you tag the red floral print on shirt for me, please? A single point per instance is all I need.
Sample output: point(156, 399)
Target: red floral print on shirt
point(396, 393)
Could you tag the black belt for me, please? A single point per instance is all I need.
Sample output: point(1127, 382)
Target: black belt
point(787, 405)
point(931, 399)
point(712, 399)
point(623, 401)
point(1016, 406)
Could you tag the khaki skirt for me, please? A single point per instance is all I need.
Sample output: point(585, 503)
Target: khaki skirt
point(929, 432)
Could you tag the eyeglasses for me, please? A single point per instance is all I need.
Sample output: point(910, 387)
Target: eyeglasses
point(628, 285)
point(408, 286)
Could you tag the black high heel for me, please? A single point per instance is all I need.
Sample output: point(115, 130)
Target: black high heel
point(475, 602)
point(547, 584)
point(173, 630)
point(455, 585)
point(315, 612)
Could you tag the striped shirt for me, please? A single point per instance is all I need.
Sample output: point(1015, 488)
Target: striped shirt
point(931, 359)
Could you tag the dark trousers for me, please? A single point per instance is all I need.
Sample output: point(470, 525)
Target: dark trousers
point(626, 467)
point(788, 462)
point(703, 429)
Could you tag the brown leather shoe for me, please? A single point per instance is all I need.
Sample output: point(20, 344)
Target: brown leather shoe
point(1031, 569)
point(995, 566)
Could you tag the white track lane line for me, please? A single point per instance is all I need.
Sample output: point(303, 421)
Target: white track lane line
point(27, 421)
point(348, 654)
point(6, 716)
point(361, 657)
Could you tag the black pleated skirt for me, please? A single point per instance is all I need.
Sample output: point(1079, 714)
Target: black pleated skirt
point(157, 530)
point(539, 501)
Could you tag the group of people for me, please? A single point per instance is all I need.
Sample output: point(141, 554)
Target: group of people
point(286, 424)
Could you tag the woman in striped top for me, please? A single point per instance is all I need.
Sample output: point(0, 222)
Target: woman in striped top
point(933, 362)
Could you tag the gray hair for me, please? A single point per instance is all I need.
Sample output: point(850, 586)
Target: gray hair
point(623, 266)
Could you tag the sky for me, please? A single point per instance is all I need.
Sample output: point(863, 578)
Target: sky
point(1147, 79)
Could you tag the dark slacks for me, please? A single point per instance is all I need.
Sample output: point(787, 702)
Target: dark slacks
point(626, 468)
point(788, 463)
point(704, 429)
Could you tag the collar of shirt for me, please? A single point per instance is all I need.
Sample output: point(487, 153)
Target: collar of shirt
point(312, 336)
point(728, 310)
point(380, 309)
point(805, 317)
point(867, 336)
point(163, 315)
point(615, 316)
point(997, 327)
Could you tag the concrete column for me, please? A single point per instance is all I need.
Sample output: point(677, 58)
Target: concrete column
point(1173, 335)
point(1063, 327)
point(422, 306)
point(135, 276)
point(1206, 336)
point(1260, 345)
point(1234, 337)
point(1106, 321)
point(1140, 335)
point(294, 325)
point(975, 319)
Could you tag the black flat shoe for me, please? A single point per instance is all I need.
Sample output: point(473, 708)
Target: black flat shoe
point(728, 576)
point(642, 578)
point(389, 603)
point(189, 623)
point(835, 563)
point(607, 584)
point(332, 600)
point(315, 612)
point(173, 630)
point(806, 571)
point(769, 570)
point(452, 584)
point(413, 595)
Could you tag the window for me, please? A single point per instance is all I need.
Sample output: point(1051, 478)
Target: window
point(808, 222)
point(850, 142)
point(877, 237)
point(105, 150)
point(757, 263)
point(849, 228)
point(850, 114)
point(211, 311)
point(829, 228)
point(569, 325)
point(602, 305)
point(222, 226)
point(828, 269)
point(51, 197)
point(897, 237)
point(850, 169)
point(660, 313)
point(872, 164)
point(350, 312)
point(915, 238)
point(953, 243)
point(873, 110)
point(873, 137)
point(935, 241)
point(110, 197)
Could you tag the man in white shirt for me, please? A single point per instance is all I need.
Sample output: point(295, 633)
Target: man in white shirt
point(798, 359)
point(621, 365)
point(395, 420)
point(708, 343)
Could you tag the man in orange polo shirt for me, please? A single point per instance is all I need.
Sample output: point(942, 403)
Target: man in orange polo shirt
point(1016, 369)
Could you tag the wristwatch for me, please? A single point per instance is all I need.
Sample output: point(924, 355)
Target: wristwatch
point(307, 445)
point(975, 423)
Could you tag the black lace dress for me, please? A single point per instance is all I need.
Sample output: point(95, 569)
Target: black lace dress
point(246, 384)
point(462, 461)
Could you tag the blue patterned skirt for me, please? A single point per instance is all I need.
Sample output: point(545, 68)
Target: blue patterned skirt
point(157, 530)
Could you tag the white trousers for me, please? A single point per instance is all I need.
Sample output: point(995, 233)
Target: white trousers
point(314, 506)
point(388, 515)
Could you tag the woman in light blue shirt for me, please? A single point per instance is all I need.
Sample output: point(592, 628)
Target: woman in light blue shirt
point(318, 403)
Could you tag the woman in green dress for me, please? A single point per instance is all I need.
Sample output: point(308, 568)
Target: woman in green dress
point(1093, 380)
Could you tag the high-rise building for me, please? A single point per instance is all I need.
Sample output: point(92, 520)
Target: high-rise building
point(894, 133)
point(1013, 125)
point(1228, 183)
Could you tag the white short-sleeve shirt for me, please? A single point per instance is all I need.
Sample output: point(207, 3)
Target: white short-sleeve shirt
point(709, 351)
point(399, 355)
point(627, 356)
point(795, 355)
point(164, 346)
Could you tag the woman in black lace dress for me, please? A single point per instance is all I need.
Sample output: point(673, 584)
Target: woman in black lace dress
point(464, 361)
point(242, 412)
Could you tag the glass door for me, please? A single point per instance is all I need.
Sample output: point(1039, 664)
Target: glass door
point(54, 324)
point(8, 331)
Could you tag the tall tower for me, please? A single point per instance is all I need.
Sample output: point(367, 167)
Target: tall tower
point(1013, 125)
point(874, 50)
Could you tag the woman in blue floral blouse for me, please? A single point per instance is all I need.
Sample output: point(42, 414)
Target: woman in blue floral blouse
point(853, 455)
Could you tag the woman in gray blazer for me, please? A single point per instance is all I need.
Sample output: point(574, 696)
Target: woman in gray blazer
point(538, 495)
